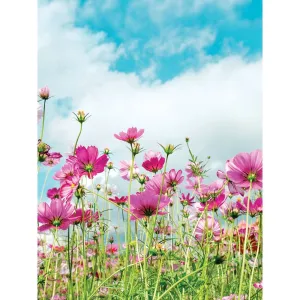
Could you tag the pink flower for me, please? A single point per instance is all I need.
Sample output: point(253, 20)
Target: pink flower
point(194, 184)
point(208, 225)
point(174, 178)
point(53, 193)
point(82, 217)
point(187, 200)
point(145, 204)
point(153, 161)
point(125, 169)
point(88, 161)
point(233, 297)
point(258, 285)
point(214, 203)
point(245, 168)
point(232, 187)
point(52, 159)
point(130, 136)
point(67, 172)
point(193, 170)
point(112, 249)
point(69, 187)
point(230, 210)
point(57, 215)
point(44, 92)
point(156, 184)
point(119, 201)
point(255, 207)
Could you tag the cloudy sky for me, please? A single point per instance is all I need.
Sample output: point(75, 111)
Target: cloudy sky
point(176, 68)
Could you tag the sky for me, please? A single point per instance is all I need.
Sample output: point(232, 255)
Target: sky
point(176, 68)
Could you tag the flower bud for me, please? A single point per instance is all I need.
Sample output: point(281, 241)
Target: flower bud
point(136, 148)
point(110, 165)
point(44, 93)
point(98, 187)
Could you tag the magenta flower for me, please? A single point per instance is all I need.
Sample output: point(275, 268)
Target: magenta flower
point(232, 187)
point(258, 285)
point(119, 201)
point(82, 217)
point(193, 170)
point(255, 208)
point(156, 184)
point(52, 159)
point(112, 249)
point(130, 136)
point(194, 184)
point(246, 168)
point(230, 210)
point(204, 227)
point(53, 193)
point(144, 205)
point(187, 200)
point(67, 172)
point(213, 203)
point(88, 161)
point(44, 93)
point(125, 169)
point(57, 215)
point(69, 187)
point(153, 161)
point(174, 178)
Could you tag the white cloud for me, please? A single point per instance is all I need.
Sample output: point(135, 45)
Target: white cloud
point(218, 107)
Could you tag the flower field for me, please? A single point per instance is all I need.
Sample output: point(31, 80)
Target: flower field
point(172, 234)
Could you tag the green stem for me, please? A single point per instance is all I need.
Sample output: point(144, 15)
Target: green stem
point(245, 245)
point(77, 138)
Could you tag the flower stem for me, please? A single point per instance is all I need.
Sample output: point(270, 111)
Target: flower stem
point(77, 138)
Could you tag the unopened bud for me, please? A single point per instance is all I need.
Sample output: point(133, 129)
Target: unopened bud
point(44, 93)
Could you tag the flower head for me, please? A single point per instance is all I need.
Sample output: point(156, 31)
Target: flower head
point(174, 178)
point(56, 215)
point(255, 207)
point(53, 193)
point(187, 200)
point(120, 201)
point(145, 204)
point(206, 227)
point(88, 161)
point(153, 161)
point(125, 169)
point(132, 135)
point(44, 93)
point(245, 169)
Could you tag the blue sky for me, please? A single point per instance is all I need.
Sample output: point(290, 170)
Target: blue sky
point(175, 68)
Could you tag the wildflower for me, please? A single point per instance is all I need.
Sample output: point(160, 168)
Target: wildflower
point(208, 226)
point(53, 193)
point(169, 149)
point(258, 285)
point(194, 169)
point(245, 169)
point(131, 136)
point(125, 169)
point(67, 172)
point(81, 117)
point(120, 201)
point(44, 93)
point(186, 200)
point(232, 187)
point(81, 216)
point(52, 159)
point(156, 184)
point(136, 148)
point(255, 208)
point(69, 187)
point(106, 151)
point(57, 215)
point(88, 161)
point(213, 204)
point(145, 204)
point(194, 184)
point(230, 210)
point(174, 178)
point(112, 249)
point(153, 161)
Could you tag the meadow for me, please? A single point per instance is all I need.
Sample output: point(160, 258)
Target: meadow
point(176, 237)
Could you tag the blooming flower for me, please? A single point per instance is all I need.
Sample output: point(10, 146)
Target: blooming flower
point(88, 161)
point(52, 159)
point(153, 161)
point(120, 201)
point(53, 193)
point(206, 226)
point(57, 215)
point(145, 204)
point(82, 217)
point(194, 170)
point(187, 200)
point(246, 168)
point(125, 166)
point(232, 187)
point(132, 135)
point(69, 187)
point(230, 210)
point(255, 208)
point(213, 204)
point(67, 172)
point(174, 178)
point(157, 185)
point(112, 249)
point(194, 184)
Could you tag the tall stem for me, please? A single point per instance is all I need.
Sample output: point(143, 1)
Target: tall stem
point(77, 138)
point(245, 245)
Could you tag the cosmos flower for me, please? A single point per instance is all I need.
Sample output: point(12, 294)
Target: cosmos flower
point(145, 204)
point(57, 215)
point(187, 200)
point(157, 184)
point(132, 135)
point(205, 226)
point(246, 168)
point(44, 93)
point(255, 208)
point(125, 169)
point(67, 172)
point(153, 161)
point(53, 193)
point(174, 178)
point(120, 201)
point(112, 249)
